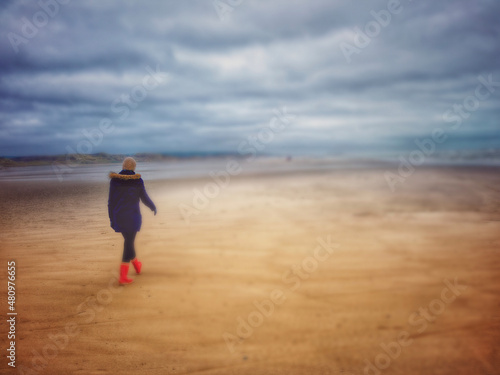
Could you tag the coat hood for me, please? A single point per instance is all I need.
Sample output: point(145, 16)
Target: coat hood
point(124, 176)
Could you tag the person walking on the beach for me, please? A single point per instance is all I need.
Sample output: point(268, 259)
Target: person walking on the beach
point(125, 190)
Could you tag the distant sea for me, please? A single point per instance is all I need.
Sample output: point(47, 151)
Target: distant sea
point(196, 168)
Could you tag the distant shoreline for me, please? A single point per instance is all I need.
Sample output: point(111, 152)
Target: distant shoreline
point(458, 158)
point(99, 158)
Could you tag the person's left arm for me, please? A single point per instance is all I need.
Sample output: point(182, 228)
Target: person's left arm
point(111, 202)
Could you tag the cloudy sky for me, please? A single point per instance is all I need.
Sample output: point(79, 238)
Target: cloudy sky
point(354, 76)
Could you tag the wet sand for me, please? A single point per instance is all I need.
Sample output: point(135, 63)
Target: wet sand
point(296, 273)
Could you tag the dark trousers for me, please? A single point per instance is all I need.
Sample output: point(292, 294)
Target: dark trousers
point(128, 246)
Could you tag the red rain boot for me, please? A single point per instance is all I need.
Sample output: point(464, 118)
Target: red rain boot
point(137, 265)
point(123, 274)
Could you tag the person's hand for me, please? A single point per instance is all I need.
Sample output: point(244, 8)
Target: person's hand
point(155, 211)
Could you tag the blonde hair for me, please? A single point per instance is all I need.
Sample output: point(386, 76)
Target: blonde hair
point(129, 164)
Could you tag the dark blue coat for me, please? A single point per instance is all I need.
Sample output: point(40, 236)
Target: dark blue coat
point(125, 191)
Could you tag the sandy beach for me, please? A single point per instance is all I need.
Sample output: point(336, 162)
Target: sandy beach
point(313, 272)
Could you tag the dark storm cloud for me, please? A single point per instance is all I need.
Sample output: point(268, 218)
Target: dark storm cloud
point(222, 79)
